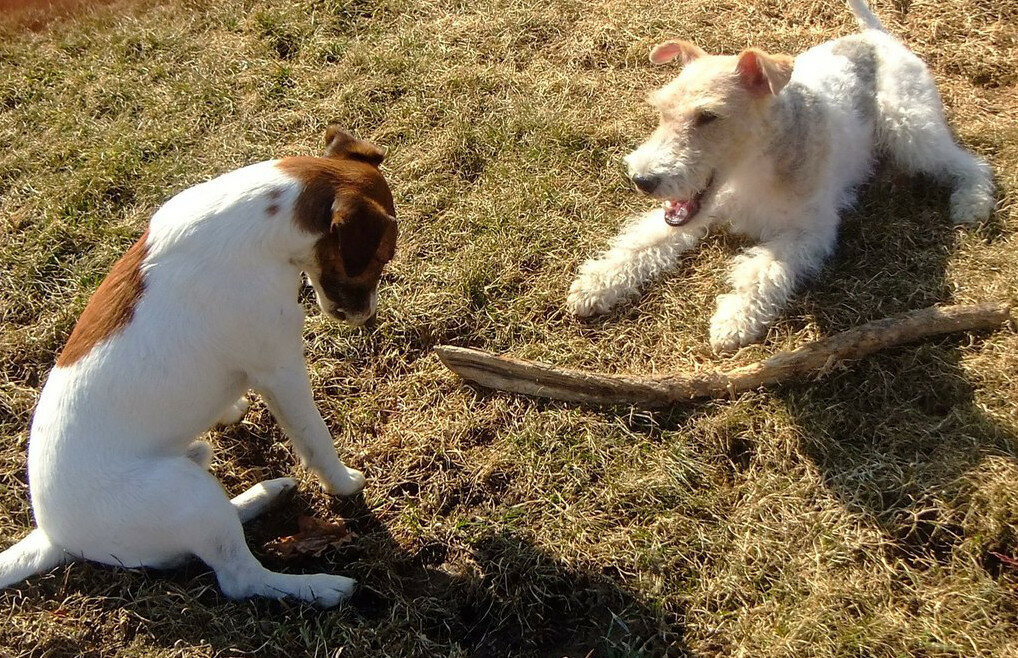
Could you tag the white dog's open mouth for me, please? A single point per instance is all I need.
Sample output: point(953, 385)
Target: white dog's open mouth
point(681, 211)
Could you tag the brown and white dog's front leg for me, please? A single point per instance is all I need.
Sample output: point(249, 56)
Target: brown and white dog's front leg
point(287, 392)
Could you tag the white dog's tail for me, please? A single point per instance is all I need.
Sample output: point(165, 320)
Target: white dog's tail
point(867, 19)
point(33, 554)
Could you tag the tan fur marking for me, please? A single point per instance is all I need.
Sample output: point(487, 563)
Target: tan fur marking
point(112, 305)
point(322, 178)
point(272, 209)
point(346, 201)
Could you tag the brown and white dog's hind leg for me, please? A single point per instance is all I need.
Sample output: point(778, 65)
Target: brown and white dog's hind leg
point(181, 505)
point(235, 412)
point(200, 452)
point(170, 510)
point(262, 497)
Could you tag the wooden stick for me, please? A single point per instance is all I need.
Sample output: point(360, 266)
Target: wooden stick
point(544, 380)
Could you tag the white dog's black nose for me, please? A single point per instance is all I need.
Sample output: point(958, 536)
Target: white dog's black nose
point(646, 184)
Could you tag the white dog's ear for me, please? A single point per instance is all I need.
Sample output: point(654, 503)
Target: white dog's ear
point(665, 52)
point(762, 73)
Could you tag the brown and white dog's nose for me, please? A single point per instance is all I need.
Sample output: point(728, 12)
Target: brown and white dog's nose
point(646, 184)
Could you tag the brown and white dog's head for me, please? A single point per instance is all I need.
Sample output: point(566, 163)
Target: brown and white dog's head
point(347, 203)
point(707, 114)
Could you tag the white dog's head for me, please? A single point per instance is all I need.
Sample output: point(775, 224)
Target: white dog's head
point(706, 115)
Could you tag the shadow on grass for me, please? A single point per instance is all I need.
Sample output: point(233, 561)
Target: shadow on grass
point(515, 600)
point(518, 599)
point(895, 435)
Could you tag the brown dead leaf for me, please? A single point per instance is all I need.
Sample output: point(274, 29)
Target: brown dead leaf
point(313, 538)
point(1005, 559)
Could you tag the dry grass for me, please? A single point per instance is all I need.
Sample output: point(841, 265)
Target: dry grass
point(859, 516)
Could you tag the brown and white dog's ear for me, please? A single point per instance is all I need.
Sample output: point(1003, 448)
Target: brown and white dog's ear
point(686, 51)
point(762, 73)
point(341, 144)
point(367, 233)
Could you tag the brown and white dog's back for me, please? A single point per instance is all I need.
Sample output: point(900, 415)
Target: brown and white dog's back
point(202, 308)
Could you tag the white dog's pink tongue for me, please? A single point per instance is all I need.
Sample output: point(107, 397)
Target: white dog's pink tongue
point(680, 211)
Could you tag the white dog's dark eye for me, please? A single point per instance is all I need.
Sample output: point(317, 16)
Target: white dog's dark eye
point(703, 117)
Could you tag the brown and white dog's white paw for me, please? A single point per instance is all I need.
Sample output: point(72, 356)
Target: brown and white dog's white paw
point(325, 590)
point(235, 412)
point(347, 483)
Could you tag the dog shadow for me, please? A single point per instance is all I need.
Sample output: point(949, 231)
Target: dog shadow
point(895, 434)
point(515, 599)
point(505, 597)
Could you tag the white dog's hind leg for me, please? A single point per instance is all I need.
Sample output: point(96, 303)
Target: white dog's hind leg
point(916, 135)
point(33, 554)
point(261, 497)
point(934, 152)
point(645, 249)
point(287, 392)
point(764, 277)
point(972, 179)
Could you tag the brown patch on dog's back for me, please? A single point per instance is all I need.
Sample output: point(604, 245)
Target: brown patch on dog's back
point(112, 305)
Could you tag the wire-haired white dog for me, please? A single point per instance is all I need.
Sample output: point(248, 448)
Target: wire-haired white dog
point(776, 147)
point(202, 308)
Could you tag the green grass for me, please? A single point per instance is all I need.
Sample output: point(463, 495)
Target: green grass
point(860, 515)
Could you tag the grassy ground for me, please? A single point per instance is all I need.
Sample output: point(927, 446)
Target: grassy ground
point(862, 515)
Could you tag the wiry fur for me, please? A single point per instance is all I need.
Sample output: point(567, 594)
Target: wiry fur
point(776, 157)
point(115, 473)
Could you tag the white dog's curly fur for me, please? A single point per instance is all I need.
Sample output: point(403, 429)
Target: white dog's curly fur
point(776, 148)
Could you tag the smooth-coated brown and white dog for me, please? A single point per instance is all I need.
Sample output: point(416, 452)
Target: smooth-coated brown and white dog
point(776, 147)
point(201, 309)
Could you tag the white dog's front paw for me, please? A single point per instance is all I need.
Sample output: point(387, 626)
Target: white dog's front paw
point(588, 295)
point(346, 483)
point(732, 325)
point(970, 205)
point(584, 302)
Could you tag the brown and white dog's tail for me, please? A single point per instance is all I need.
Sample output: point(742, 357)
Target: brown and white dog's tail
point(866, 18)
point(33, 554)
